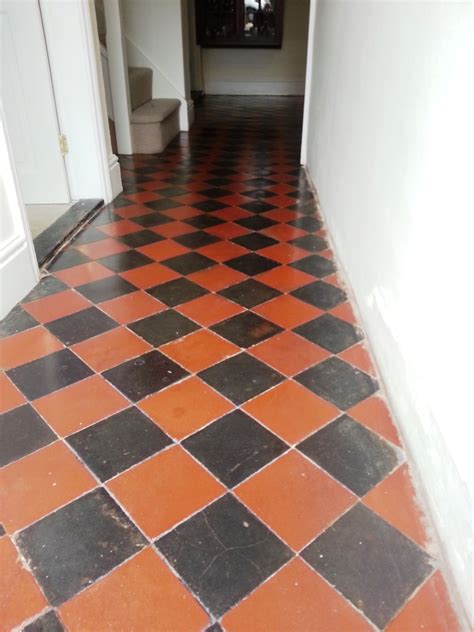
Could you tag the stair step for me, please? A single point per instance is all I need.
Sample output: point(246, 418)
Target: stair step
point(154, 125)
point(140, 81)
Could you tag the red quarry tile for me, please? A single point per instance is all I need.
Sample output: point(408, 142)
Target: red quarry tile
point(56, 306)
point(328, 253)
point(291, 411)
point(102, 248)
point(373, 413)
point(231, 214)
point(359, 357)
point(111, 348)
point(228, 230)
point(288, 353)
point(116, 229)
point(149, 275)
point(287, 311)
point(40, 483)
point(183, 212)
point(282, 201)
point(164, 490)
point(217, 278)
point(139, 595)
point(344, 312)
point(429, 610)
point(142, 196)
point(126, 309)
point(396, 492)
point(80, 405)
point(296, 599)
point(285, 278)
point(10, 396)
point(235, 200)
point(199, 350)
point(162, 250)
point(135, 210)
point(284, 232)
point(223, 251)
point(183, 408)
point(84, 273)
point(283, 253)
point(189, 198)
point(296, 499)
point(20, 596)
point(27, 346)
point(173, 229)
point(209, 309)
point(280, 189)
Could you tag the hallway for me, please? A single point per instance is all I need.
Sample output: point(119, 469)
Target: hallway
point(192, 434)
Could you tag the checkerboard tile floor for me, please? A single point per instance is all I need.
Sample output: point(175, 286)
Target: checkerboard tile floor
point(192, 432)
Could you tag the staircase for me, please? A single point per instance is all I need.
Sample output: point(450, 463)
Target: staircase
point(153, 122)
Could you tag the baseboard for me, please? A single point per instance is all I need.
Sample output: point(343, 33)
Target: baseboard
point(274, 88)
point(115, 177)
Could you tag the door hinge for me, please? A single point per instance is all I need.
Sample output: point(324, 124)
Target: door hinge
point(63, 146)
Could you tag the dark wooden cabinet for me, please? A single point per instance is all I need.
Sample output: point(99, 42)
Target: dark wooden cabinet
point(239, 23)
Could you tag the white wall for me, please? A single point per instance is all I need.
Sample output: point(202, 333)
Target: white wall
point(154, 38)
point(262, 71)
point(389, 149)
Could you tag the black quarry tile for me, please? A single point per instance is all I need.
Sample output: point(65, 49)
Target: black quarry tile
point(22, 431)
point(321, 294)
point(330, 332)
point(246, 329)
point(177, 291)
point(81, 325)
point(16, 321)
point(163, 327)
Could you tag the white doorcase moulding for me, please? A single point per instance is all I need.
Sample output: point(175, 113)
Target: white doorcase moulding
point(74, 55)
point(18, 266)
point(308, 80)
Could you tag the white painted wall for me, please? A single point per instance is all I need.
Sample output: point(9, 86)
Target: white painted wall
point(155, 38)
point(389, 149)
point(18, 267)
point(262, 71)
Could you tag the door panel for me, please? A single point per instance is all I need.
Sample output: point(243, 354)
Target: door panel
point(29, 106)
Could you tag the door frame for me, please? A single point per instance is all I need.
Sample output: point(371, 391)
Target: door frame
point(310, 53)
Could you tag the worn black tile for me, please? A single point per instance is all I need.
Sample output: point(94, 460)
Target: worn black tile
point(208, 206)
point(162, 205)
point(234, 447)
point(257, 222)
point(321, 294)
point(105, 289)
point(189, 262)
point(330, 332)
point(120, 202)
point(338, 382)
point(171, 191)
point(48, 622)
point(257, 206)
point(246, 329)
point(260, 182)
point(251, 264)
point(255, 241)
point(163, 327)
point(241, 377)
point(145, 375)
point(152, 219)
point(88, 236)
point(219, 182)
point(311, 224)
point(249, 293)
point(214, 192)
point(223, 553)
point(204, 221)
point(81, 325)
point(2, 530)
point(16, 321)
point(355, 456)
point(117, 443)
point(127, 260)
point(177, 291)
point(74, 546)
point(22, 431)
point(258, 194)
point(316, 265)
point(214, 628)
point(49, 373)
point(68, 258)
point(140, 238)
point(196, 240)
point(46, 287)
point(312, 243)
point(369, 562)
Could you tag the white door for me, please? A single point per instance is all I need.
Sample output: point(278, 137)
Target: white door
point(29, 106)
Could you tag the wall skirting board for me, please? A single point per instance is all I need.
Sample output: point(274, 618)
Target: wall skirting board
point(275, 88)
